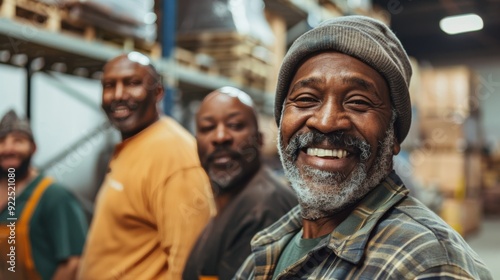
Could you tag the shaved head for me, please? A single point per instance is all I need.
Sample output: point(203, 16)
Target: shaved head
point(140, 59)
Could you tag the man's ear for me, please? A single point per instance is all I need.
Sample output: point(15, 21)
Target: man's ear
point(397, 147)
point(33, 148)
point(159, 93)
point(260, 139)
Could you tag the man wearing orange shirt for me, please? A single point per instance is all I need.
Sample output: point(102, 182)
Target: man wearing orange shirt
point(156, 198)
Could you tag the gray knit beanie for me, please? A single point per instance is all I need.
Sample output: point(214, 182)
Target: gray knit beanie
point(364, 38)
point(11, 122)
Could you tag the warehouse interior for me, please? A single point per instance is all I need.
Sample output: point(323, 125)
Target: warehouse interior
point(52, 53)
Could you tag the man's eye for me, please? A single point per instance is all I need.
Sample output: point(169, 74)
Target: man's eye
point(134, 83)
point(203, 129)
point(235, 126)
point(305, 99)
point(360, 102)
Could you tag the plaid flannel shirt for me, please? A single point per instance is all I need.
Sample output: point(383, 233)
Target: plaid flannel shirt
point(389, 235)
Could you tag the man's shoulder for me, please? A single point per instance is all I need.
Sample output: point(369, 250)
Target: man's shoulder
point(267, 189)
point(170, 140)
point(409, 218)
point(412, 234)
point(173, 130)
point(58, 192)
point(265, 200)
point(412, 227)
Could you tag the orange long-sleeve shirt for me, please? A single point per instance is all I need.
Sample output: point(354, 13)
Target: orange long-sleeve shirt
point(153, 204)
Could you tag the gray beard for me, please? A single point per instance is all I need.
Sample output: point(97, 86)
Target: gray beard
point(322, 193)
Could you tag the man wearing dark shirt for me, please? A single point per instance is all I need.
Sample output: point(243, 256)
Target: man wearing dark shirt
point(247, 195)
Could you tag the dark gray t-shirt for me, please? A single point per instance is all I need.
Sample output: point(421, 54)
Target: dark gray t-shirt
point(297, 248)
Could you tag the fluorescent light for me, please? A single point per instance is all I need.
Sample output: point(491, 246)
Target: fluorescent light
point(461, 23)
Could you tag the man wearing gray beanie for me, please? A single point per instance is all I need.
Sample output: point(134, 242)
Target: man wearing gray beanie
point(343, 109)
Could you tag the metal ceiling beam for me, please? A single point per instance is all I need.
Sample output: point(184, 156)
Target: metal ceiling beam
point(75, 45)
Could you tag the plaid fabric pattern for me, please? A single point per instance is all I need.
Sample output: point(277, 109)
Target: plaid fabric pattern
point(390, 235)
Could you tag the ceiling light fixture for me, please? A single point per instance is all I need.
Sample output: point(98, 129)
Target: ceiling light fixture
point(461, 23)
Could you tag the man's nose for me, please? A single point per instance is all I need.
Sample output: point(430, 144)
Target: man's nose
point(7, 146)
point(331, 117)
point(222, 136)
point(119, 92)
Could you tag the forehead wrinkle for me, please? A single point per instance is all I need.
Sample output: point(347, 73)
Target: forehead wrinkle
point(356, 81)
point(123, 62)
point(210, 117)
point(308, 82)
point(217, 93)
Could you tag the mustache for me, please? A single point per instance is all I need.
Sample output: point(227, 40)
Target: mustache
point(131, 105)
point(338, 139)
point(10, 155)
point(222, 151)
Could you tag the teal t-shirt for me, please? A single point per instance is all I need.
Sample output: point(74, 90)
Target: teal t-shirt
point(58, 226)
point(297, 248)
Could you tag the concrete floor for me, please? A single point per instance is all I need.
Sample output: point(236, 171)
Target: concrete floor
point(487, 244)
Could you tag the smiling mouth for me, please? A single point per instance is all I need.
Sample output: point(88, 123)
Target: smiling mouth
point(10, 160)
point(222, 160)
point(327, 153)
point(121, 112)
point(332, 160)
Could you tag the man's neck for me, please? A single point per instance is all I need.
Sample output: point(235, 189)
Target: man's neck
point(325, 225)
point(222, 199)
point(126, 136)
point(20, 183)
point(14, 188)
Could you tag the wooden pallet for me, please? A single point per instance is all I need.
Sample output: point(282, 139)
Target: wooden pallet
point(238, 57)
point(257, 68)
point(199, 62)
point(58, 19)
point(214, 39)
point(30, 12)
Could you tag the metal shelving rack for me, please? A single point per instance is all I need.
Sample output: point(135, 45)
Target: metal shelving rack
point(31, 42)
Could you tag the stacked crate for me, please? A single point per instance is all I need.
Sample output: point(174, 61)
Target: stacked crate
point(89, 20)
point(239, 57)
point(491, 183)
point(450, 156)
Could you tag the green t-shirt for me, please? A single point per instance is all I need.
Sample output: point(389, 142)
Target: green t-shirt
point(297, 248)
point(57, 228)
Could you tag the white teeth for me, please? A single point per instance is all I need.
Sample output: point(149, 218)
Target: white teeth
point(326, 152)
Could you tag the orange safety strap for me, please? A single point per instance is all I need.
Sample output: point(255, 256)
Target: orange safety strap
point(25, 219)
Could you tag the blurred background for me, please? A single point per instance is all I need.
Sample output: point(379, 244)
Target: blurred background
point(52, 52)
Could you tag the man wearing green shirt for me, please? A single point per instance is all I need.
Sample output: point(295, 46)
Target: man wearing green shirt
point(42, 225)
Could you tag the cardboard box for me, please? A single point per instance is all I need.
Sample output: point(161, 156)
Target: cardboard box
point(448, 91)
point(450, 133)
point(456, 174)
point(491, 197)
point(462, 215)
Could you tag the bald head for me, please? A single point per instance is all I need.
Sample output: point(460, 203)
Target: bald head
point(237, 95)
point(140, 60)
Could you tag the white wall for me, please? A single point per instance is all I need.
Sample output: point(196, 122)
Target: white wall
point(12, 90)
point(65, 111)
point(66, 120)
